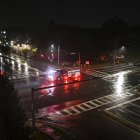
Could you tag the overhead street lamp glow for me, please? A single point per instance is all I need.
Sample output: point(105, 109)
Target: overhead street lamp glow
point(122, 47)
point(58, 59)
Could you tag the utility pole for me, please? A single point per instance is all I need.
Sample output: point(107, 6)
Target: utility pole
point(115, 53)
point(33, 108)
point(58, 54)
point(79, 59)
point(33, 90)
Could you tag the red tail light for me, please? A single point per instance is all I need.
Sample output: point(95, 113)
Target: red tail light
point(65, 77)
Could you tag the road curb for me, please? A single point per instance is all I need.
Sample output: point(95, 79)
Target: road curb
point(53, 131)
point(64, 131)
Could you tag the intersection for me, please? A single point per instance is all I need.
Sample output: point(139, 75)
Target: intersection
point(113, 93)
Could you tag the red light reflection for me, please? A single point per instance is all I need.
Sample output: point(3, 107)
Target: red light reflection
point(76, 86)
point(47, 91)
point(65, 81)
point(66, 89)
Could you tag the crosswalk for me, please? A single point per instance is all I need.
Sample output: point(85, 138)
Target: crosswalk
point(82, 107)
point(17, 69)
point(14, 77)
point(107, 73)
point(128, 113)
point(23, 76)
point(95, 73)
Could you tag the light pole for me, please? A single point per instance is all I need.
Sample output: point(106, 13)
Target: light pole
point(33, 109)
point(79, 59)
point(58, 54)
point(116, 50)
point(115, 53)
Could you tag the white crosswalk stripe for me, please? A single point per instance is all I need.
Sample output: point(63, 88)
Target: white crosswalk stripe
point(67, 111)
point(106, 73)
point(86, 106)
point(77, 111)
point(79, 106)
point(14, 77)
point(22, 76)
point(98, 101)
point(96, 105)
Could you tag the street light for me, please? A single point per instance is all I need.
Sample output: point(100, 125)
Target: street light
point(122, 47)
point(79, 59)
point(58, 53)
point(52, 46)
point(119, 53)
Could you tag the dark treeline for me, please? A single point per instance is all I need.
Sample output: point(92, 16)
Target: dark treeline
point(113, 33)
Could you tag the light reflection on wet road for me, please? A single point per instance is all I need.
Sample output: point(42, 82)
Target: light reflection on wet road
point(77, 96)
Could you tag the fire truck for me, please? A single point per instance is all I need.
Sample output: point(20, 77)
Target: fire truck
point(64, 74)
point(72, 73)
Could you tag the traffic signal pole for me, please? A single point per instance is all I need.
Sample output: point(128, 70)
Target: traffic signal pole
point(37, 89)
point(58, 55)
point(33, 108)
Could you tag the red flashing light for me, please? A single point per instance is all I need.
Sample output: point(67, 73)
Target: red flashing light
point(42, 55)
point(65, 77)
point(66, 81)
point(76, 77)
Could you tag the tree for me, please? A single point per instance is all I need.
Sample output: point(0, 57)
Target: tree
point(5, 49)
point(12, 117)
point(113, 32)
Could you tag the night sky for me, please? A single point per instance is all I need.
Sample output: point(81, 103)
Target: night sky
point(87, 13)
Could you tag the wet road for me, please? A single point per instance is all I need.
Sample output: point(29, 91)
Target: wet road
point(83, 106)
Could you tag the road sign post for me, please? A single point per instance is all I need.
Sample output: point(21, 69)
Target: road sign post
point(37, 89)
point(33, 109)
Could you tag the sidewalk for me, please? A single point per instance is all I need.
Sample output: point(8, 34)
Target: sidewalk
point(50, 131)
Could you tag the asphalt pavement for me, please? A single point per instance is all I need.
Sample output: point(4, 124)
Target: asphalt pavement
point(105, 107)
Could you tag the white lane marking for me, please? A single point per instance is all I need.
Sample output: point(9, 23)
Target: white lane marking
point(79, 106)
point(16, 77)
point(59, 113)
point(132, 112)
point(104, 100)
point(118, 105)
point(127, 86)
point(67, 111)
point(90, 107)
point(31, 74)
point(98, 101)
point(122, 65)
point(110, 97)
point(128, 94)
point(135, 105)
point(74, 109)
point(121, 68)
point(105, 76)
point(93, 103)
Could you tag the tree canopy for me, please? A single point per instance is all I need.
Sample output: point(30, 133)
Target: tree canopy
point(12, 117)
